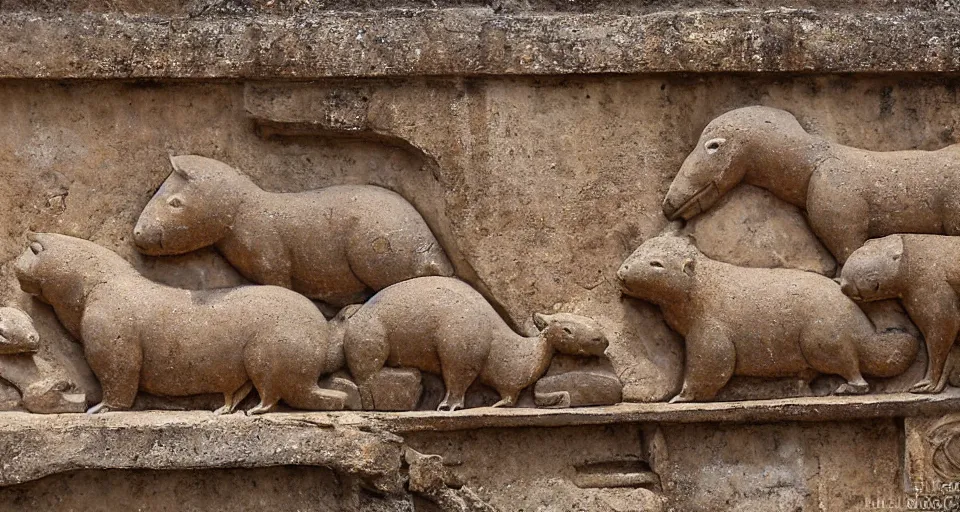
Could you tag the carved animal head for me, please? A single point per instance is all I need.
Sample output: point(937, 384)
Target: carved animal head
point(721, 159)
point(58, 266)
point(572, 334)
point(194, 207)
point(872, 272)
point(17, 333)
point(662, 269)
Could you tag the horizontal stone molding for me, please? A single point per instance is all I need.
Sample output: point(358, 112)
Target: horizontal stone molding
point(474, 41)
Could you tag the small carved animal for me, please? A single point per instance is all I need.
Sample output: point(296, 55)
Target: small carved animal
point(924, 272)
point(22, 366)
point(849, 194)
point(138, 334)
point(759, 322)
point(336, 244)
point(443, 326)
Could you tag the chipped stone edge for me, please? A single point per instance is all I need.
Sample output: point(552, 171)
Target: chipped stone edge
point(366, 445)
point(472, 42)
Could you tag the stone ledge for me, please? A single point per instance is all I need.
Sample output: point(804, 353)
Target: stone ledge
point(360, 444)
point(476, 41)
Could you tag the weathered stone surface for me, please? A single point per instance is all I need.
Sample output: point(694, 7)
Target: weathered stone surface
point(33, 445)
point(473, 41)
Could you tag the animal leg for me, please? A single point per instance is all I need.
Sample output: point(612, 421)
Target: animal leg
point(508, 399)
point(937, 314)
point(366, 349)
point(823, 210)
point(118, 372)
point(710, 361)
point(267, 404)
point(452, 401)
point(855, 385)
point(232, 400)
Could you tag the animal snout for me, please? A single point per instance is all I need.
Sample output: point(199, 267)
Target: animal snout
point(146, 238)
point(849, 289)
point(622, 272)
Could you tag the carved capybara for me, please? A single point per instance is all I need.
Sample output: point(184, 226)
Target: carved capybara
point(20, 364)
point(849, 194)
point(140, 335)
point(443, 326)
point(924, 272)
point(337, 244)
point(759, 322)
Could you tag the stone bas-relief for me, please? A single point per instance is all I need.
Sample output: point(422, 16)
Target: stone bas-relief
point(760, 322)
point(443, 326)
point(924, 273)
point(139, 335)
point(335, 245)
point(41, 390)
point(849, 194)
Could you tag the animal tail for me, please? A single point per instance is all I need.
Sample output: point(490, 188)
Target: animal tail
point(893, 346)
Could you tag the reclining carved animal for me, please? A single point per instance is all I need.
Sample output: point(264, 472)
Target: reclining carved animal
point(849, 194)
point(443, 326)
point(924, 272)
point(337, 244)
point(759, 322)
point(28, 371)
point(140, 335)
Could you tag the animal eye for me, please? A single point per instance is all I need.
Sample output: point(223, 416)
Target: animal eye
point(36, 248)
point(713, 145)
point(656, 264)
point(175, 202)
point(567, 330)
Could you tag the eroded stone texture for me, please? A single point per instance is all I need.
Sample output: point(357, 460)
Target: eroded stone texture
point(334, 245)
point(921, 270)
point(760, 322)
point(139, 335)
point(42, 386)
point(443, 326)
point(849, 194)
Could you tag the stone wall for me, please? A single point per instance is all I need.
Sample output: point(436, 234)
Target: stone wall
point(537, 139)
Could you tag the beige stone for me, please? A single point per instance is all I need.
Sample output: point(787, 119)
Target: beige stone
point(922, 271)
point(443, 326)
point(759, 322)
point(139, 335)
point(334, 244)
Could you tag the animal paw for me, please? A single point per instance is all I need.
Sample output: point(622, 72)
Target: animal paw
point(226, 409)
point(98, 409)
point(261, 409)
point(848, 388)
point(681, 398)
point(444, 406)
point(505, 402)
point(924, 386)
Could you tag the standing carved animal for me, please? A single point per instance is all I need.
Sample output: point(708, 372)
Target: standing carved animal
point(924, 272)
point(443, 326)
point(759, 322)
point(849, 194)
point(20, 364)
point(138, 334)
point(338, 244)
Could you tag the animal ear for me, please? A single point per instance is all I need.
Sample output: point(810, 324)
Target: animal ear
point(689, 266)
point(180, 167)
point(897, 248)
point(540, 320)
